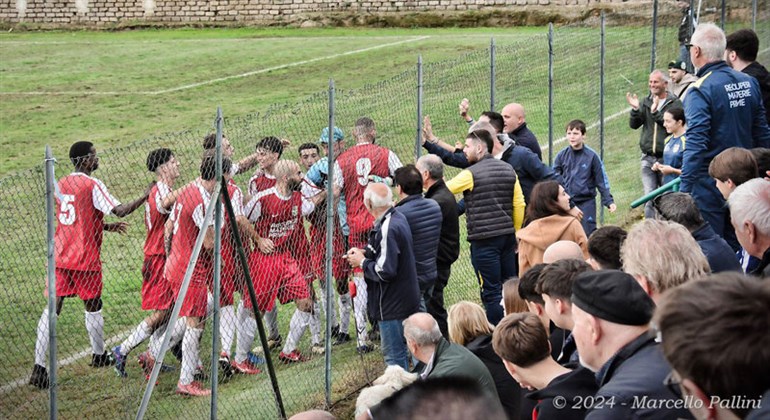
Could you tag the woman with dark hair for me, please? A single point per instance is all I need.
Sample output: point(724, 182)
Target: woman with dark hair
point(468, 327)
point(671, 168)
point(547, 221)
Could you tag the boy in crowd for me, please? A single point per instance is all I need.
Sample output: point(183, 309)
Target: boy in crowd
point(583, 173)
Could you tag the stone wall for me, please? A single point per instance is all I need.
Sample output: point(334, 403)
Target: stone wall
point(257, 12)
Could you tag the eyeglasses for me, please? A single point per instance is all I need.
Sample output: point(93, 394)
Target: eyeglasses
point(673, 384)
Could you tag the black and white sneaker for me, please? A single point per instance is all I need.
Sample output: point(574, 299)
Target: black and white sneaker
point(39, 377)
point(102, 360)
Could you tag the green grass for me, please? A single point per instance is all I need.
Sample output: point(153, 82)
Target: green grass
point(380, 83)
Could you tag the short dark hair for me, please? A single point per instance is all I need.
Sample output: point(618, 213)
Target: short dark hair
point(158, 157)
point(307, 146)
point(762, 156)
point(521, 339)
point(736, 164)
point(714, 312)
point(528, 283)
point(441, 397)
point(576, 125)
point(544, 201)
point(677, 113)
point(557, 278)
point(271, 144)
point(210, 141)
point(209, 167)
point(604, 246)
point(495, 119)
point(483, 137)
point(409, 179)
point(79, 151)
point(679, 208)
point(745, 43)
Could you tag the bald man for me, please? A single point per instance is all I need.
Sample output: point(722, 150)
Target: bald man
point(514, 118)
point(389, 270)
point(562, 250)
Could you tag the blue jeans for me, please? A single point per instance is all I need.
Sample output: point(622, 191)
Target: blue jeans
point(651, 181)
point(393, 343)
point(494, 261)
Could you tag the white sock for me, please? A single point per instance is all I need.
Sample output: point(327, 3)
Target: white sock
point(140, 334)
point(209, 305)
point(315, 324)
point(41, 344)
point(95, 327)
point(297, 326)
point(246, 333)
point(360, 302)
point(190, 352)
point(227, 324)
point(156, 339)
point(345, 306)
point(271, 321)
point(322, 298)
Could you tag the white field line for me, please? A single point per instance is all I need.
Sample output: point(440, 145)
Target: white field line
point(222, 79)
point(119, 337)
point(594, 125)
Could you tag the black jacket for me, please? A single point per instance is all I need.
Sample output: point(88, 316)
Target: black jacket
point(718, 253)
point(631, 384)
point(525, 137)
point(489, 205)
point(424, 217)
point(760, 73)
point(507, 389)
point(763, 269)
point(653, 135)
point(449, 241)
point(573, 388)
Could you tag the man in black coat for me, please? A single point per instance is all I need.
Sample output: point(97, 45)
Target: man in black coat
point(432, 170)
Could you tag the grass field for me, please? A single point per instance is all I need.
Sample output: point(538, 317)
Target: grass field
point(129, 92)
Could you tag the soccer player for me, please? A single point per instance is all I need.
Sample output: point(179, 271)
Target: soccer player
point(354, 168)
point(243, 165)
point(277, 214)
point(182, 229)
point(156, 292)
point(314, 187)
point(83, 201)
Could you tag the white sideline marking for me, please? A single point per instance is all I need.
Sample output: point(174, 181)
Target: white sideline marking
point(222, 79)
point(69, 360)
point(594, 125)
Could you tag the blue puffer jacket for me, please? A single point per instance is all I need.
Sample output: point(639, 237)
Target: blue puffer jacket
point(424, 217)
point(723, 109)
point(718, 253)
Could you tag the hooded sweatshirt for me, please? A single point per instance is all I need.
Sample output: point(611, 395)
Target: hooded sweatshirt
point(541, 233)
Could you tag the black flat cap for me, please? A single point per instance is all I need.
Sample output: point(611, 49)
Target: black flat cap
point(613, 296)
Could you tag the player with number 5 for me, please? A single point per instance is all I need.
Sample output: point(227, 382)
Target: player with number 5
point(82, 202)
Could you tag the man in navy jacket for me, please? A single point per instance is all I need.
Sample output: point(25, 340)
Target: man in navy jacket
point(723, 109)
point(389, 270)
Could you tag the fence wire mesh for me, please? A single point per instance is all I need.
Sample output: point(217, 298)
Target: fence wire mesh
point(521, 75)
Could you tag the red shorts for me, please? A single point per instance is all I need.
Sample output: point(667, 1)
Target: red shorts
point(195, 300)
point(231, 282)
point(85, 284)
point(156, 290)
point(276, 276)
point(340, 266)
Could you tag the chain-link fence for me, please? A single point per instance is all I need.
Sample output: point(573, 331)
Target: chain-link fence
point(133, 310)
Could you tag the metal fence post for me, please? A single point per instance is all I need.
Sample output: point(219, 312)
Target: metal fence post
point(602, 52)
point(550, 94)
point(330, 229)
point(49, 205)
point(492, 75)
point(217, 271)
point(753, 15)
point(417, 142)
point(654, 34)
point(722, 17)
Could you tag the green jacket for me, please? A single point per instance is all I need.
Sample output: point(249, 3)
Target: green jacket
point(653, 135)
point(453, 359)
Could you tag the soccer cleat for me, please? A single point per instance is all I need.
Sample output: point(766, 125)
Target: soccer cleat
point(39, 377)
point(193, 389)
point(224, 365)
point(176, 350)
point(120, 362)
point(294, 357)
point(342, 338)
point(274, 343)
point(101, 360)
point(200, 374)
point(366, 348)
point(335, 331)
point(244, 368)
point(318, 348)
point(255, 359)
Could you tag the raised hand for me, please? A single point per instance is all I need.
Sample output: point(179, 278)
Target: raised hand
point(632, 100)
